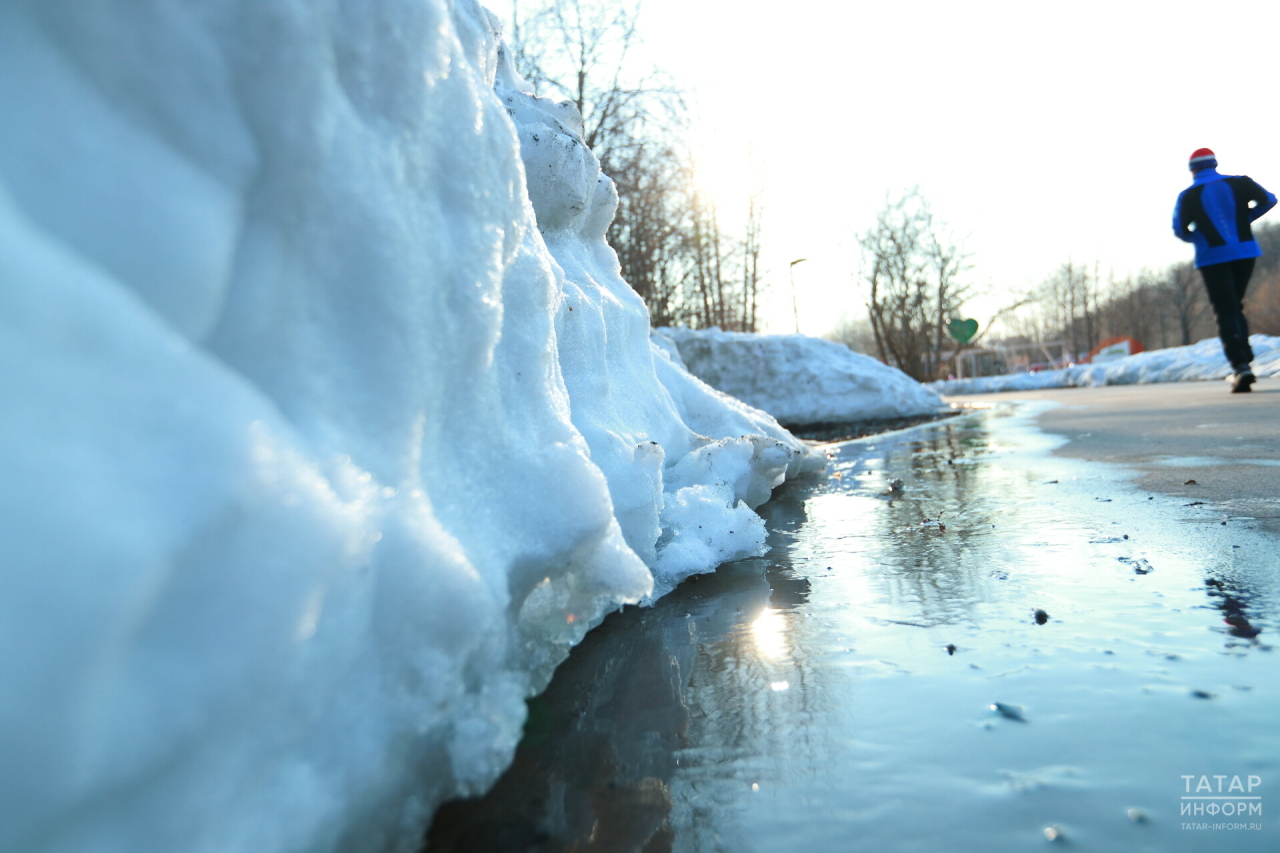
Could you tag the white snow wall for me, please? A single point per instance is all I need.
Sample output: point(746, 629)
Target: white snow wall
point(309, 471)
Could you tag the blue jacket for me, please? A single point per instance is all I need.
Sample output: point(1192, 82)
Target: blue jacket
point(1214, 214)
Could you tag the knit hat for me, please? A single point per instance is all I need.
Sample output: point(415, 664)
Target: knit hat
point(1202, 158)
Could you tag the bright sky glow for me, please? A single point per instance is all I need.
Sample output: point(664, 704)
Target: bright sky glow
point(1040, 132)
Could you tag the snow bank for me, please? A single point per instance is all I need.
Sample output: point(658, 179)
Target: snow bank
point(317, 461)
point(1197, 362)
point(800, 380)
point(684, 474)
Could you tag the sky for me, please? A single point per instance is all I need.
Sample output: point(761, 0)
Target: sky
point(1038, 132)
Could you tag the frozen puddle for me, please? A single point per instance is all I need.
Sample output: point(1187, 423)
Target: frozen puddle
point(881, 679)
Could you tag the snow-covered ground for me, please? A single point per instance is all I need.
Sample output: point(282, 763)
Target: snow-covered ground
point(328, 427)
point(797, 379)
point(1197, 362)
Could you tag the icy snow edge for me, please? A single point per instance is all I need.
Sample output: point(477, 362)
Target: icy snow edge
point(1196, 362)
point(321, 450)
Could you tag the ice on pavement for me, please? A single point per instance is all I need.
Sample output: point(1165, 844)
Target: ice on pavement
point(1200, 361)
point(321, 448)
point(797, 379)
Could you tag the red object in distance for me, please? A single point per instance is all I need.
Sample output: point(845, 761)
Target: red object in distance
point(1114, 344)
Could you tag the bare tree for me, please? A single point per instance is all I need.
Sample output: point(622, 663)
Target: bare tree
point(1168, 308)
point(856, 334)
point(667, 233)
point(1069, 298)
point(580, 50)
point(751, 263)
point(648, 231)
point(915, 286)
point(1184, 295)
point(706, 275)
point(1262, 304)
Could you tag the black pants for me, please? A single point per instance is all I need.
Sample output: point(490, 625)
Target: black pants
point(1226, 284)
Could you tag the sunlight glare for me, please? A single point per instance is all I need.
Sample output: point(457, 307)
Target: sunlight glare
point(770, 634)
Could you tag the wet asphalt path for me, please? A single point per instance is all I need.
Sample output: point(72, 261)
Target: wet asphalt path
point(1172, 433)
point(1006, 647)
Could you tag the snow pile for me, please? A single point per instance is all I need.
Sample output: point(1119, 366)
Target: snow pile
point(800, 380)
point(1197, 362)
point(1062, 378)
point(685, 465)
point(294, 511)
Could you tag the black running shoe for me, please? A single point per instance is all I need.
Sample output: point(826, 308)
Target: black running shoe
point(1242, 382)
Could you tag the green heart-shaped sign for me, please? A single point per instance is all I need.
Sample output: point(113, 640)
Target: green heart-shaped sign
point(962, 331)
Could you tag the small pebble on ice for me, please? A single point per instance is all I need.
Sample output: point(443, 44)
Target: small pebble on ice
point(1009, 712)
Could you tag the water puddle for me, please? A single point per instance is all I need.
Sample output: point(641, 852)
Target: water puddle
point(956, 642)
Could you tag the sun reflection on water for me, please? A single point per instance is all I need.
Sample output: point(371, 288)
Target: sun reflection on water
point(770, 634)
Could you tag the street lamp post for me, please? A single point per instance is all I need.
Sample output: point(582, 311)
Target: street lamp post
point(795, 307)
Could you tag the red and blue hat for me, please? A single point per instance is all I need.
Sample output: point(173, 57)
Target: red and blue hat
point(1202, 158)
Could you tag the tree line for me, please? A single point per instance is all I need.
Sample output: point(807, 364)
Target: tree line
point(676, 252)
point(914, 279)
point(1161, 308)
point(670, 238)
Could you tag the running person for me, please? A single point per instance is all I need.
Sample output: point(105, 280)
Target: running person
point(1215, 213)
